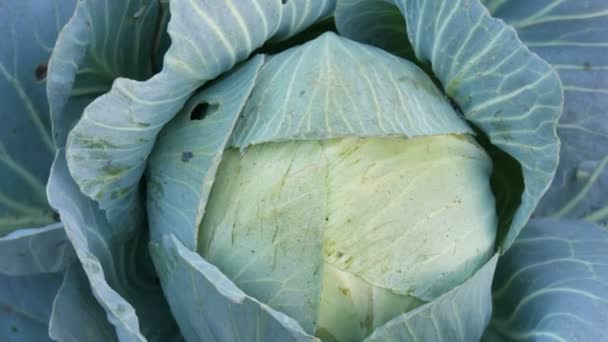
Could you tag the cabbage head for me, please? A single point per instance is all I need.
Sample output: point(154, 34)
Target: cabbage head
point(303, 170)
point(340, 228)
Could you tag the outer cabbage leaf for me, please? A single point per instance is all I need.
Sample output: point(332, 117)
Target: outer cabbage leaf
point(108, 148)
point(212, 308)
point(25, 306)
point(29, 29)
point(513, 96)
point(115, 264)
point(553, 284)
point(181, 170)
point(75, 299)
point(35, 250)
point(461, 314)
point(573, 36)
point(95, 47)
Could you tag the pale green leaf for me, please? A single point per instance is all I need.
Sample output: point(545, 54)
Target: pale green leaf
point(116, 265)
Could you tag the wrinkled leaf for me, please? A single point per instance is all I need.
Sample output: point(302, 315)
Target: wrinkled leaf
point(76, 315)
point(182, 167)
point(96, 47)
point(108, 148)
point(115, 264)
point(572, 35)
point(103, 40)
point(553, 284)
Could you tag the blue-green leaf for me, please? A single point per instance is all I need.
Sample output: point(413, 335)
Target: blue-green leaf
point(182, 167)
point(211, 307)
point(114, 263)
point(332, 87)
point(461, 314)
point(76, 315)
point(108, 148)
point(35, 250)
point(512, 95)
point(384, 25)
point(552, 285)
point(25, 306)
point(95, 47)
point(572, 35)
point(29, 29)
point(181, 173)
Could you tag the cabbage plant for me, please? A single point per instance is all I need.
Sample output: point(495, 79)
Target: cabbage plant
point(303, 170)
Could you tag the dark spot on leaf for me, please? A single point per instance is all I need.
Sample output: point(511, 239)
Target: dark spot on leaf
point(327, 219)
point(6, 309)
point(344, 291)
point(40, 72)
point(56, 217)
point(284, 1)
point(302, 92)
point(348, 261)
point(339, 254)
point(252, 251)
point(120, 309)
point(14, 328)
point(586, 66)
point(112, 169)
point(92, 267)
point(325, 335)
point(201, 110)
point(186, 156)
point(14, 131)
